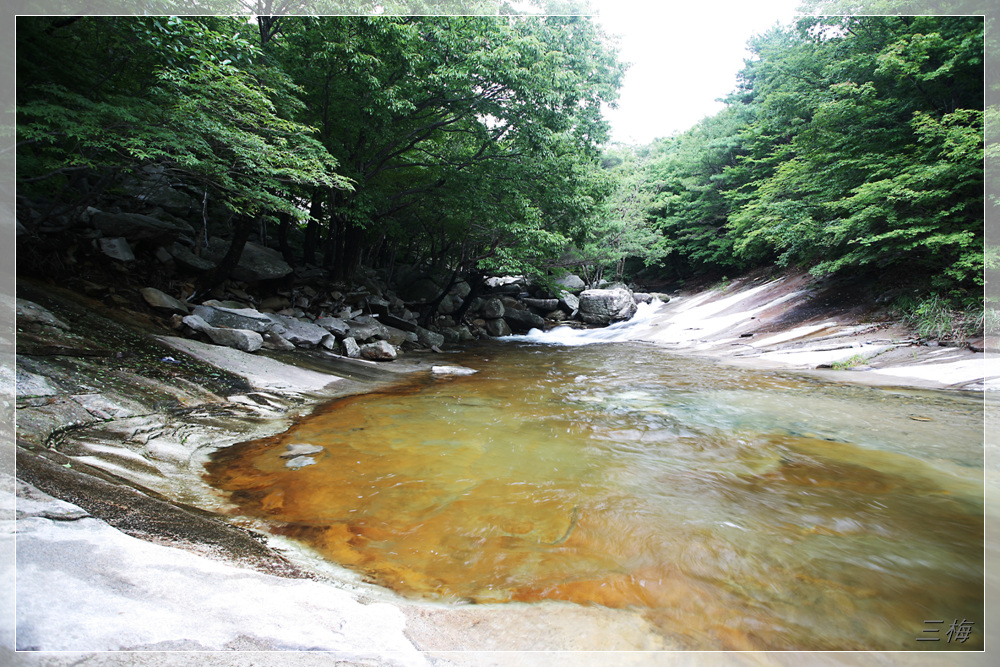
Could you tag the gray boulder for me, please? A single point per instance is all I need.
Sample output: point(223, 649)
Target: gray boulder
point(604, 306)
point(137, 227)
point(29, 311)
point(492, 309)
point(429, 338)
point(334, 325)
point(380, 350)
point(498, 328)
point(571, 283)
point(240, 339)
point(273, 341)
point(297, 332)
point(116, 248)
point(569, 302)
point(188, 259)
point(256, 262)
point(234, 318)
point(542, 305)
point(351, 348)
point(158, 299)
point(523, 320)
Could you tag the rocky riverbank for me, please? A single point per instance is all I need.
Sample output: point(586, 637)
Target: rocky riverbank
point(119, 538)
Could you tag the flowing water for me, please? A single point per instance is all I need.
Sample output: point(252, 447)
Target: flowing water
point(737, 509)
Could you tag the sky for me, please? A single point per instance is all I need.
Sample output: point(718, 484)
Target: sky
point(683, 57)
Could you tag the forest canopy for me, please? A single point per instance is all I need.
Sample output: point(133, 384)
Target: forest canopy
point(477, 144)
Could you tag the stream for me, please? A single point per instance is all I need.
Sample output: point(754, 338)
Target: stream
point(736, 508)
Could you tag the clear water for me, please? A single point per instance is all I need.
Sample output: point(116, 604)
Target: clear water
point(737, 509)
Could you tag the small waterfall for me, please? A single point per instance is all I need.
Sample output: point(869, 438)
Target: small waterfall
point(633, 329)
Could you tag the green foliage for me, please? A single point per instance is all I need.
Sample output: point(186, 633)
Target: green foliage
point(191, 95)
point(937, 318)
point(851, 144)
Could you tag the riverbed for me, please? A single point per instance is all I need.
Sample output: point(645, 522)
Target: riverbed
point(735, 508)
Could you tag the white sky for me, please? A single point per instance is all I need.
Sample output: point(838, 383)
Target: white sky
point(683, 55)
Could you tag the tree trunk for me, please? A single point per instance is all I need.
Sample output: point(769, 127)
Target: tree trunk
point(222, 270)
point(284, 223)
point(312, 229)
point(476, 281)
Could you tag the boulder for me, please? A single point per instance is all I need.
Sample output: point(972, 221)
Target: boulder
point(155, 190)
point(188, 259)
point(429, 338)
point(569, 302)
point(297, 332)
point(422, 289)
point(275, 303)
point(450, 304)
point(542, 305)
point(233, 318)
point(116, 248)
point(273, 341)
point(498, 328)
point(334, 325)
point(523, 320)
point(29, 311)
point(351, 348)
point(365, 329)
point(378, 351)
point(240, 339)
point(604, 306)
point(256, 263)
point(492, 309)
point(571, 283)
point(138, 228)
point(158, 299)
point(329, 342)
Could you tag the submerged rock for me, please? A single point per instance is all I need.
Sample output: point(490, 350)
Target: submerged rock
point(452, 370)
point(300, 449)
point(300, 462)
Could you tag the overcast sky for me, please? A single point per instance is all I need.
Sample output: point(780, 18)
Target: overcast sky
point(683, 57)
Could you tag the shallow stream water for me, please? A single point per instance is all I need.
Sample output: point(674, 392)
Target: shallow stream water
point(738, 509)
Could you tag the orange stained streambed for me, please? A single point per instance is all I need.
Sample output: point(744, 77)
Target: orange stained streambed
point(737, 509)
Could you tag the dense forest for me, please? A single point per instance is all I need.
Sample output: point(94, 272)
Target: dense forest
point(474, 146)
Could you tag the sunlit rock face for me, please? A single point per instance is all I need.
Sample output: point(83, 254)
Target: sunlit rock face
point(604, 306)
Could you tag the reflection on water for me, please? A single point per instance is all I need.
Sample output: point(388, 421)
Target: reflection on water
point(739, 509)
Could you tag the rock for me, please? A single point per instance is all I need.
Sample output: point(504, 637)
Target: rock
point(116, 248)
point(523, 320)
point(399, 323)
point(569, 302)
point(240, 339)
point(139, 228)
point(604, 306)
point(257, 263)
point(233, 318)
point(329, 342)
point(397, 336)
point(29, 311)
point(334, 325)
point(163, 255)
point(420, 290)
point(498, 328)
point(155, 190)
point(275, 303)
point(452, 370)
point(158, 299)
point(461, 289)
point(571, 283)
point(188, 259)
point(300, 462)
point(366, 329)
point(29, 384)
point(197, 323)
point(298, 449)
point(378, 351)
point(492, 309)
point(301, 334)
point(273, 341)
point(450, 304)
point(506, 284)
point(542, 305)
point(643, 297)
point(351, 348)
point(429, 338)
